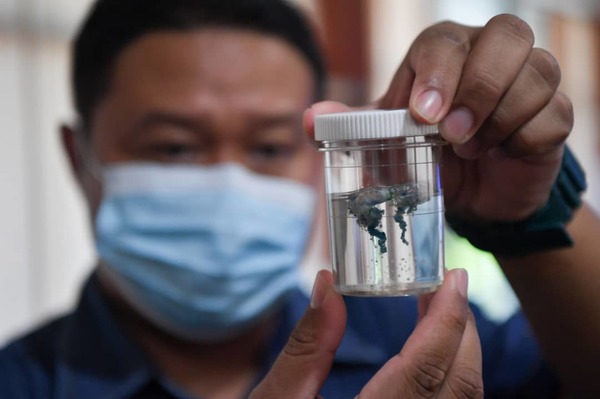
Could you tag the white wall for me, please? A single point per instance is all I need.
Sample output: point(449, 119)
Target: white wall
point(45, 250)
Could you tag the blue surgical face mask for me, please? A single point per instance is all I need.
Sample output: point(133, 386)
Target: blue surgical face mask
point(205, 252)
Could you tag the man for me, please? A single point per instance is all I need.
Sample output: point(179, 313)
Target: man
point(201, 185)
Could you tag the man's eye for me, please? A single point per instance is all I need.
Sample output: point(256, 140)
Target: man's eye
point(175, 152)
point(273, 150)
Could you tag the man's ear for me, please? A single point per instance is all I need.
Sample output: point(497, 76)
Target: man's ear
point(73, 146)
point(72, 149)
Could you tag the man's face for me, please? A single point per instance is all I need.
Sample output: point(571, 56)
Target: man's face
point(208, 96)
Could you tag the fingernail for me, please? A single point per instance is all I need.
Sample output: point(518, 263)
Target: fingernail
point(461, 281)
point(318, 293)
point(457, 125)
point(429, 105)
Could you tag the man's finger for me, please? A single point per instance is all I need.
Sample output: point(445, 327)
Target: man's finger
point(464, 379)
point(544, 134)
point(531, 91)
point(494, 62)
point(427, 79)
point(305, 361)
point(420, 369)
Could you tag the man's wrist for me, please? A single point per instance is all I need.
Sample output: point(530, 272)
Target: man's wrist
point(542, 231)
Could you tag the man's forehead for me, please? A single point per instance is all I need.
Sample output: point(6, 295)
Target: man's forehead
point(215, 59)
point(211, 50)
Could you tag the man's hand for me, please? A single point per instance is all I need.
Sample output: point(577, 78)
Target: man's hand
point(496, 100)
point(442, 357)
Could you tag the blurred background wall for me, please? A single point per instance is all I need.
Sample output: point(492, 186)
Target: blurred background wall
point(45, 245)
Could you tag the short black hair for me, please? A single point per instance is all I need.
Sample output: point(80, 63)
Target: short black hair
point(112, 25)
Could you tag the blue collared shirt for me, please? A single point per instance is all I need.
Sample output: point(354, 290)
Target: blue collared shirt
point(87, 355)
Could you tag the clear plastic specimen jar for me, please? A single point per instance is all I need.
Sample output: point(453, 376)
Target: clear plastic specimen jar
point(385, 204)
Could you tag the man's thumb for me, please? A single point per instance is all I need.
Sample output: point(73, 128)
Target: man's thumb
point(305, 361)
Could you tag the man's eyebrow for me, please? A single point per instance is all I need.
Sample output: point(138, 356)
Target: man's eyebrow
point(277, 119)
point(166, 118)
point(194, 122)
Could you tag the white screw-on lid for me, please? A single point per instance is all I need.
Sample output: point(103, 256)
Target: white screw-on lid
point(373, 124)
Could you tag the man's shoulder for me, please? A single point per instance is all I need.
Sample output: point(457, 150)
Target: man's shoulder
point(41, 340)
point(27, 363)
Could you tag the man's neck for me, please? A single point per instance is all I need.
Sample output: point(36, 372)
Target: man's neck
point(217, 370)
